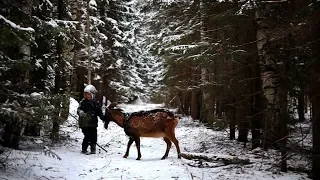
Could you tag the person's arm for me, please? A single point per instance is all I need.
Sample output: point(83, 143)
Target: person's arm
point(80, 111)
point(99, 111)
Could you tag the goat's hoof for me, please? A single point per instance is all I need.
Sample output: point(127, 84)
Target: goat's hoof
point(179, 156)
point(125, 156)
point(138, 158)
point(164, 157)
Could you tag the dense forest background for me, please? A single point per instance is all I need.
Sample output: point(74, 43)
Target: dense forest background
point(250, 66)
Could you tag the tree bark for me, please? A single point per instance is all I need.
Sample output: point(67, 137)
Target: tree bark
point(88, 41)
point(12, 133)
point(270, 80)
point(283, 93)
point(32, 129)
point(207, 113)
point(195, 104)
point(60, 79)
point(231, 115)
point(314, 78)
point(301, 105)
point(243, 124)
point(257, 110)
point(80, 71)
point(77, 77)
point(186, 104)
point(219, 106)
point(315, 99)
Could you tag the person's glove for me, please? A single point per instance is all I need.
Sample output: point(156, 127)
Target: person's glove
point(81, 113)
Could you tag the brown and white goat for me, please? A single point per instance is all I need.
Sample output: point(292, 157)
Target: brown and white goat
point(155, 123)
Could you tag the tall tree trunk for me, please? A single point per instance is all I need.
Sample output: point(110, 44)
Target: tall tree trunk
point(31, 128)
point(232, 126)
point(306, 101)
point(243, 104)
point(315, 98)
point(179, 102)
point(187, 103)
point(195, 104)
point(301, 105)
point(257, 110)
point(283, 93)
point(56, 101)
point(219, 106)
point(315, 101)
point(12, 133)
point(78, 71)
point(269, 81)
point(55, 119)
point(231, 115)
point(60, 79)
point(105, 83)
point(207, 115)
point(88, 41)
point(243, 123)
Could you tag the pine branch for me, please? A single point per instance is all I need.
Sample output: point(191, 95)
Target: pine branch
point(48, 152)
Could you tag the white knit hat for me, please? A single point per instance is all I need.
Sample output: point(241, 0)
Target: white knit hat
point(90, 89)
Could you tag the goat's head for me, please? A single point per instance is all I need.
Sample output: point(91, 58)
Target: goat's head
point(113, 114)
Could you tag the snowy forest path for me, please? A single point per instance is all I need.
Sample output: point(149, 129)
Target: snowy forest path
point(193, 137)
point(111, 164)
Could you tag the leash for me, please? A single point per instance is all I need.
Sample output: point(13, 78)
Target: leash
point(101, 147)
point(104, 108)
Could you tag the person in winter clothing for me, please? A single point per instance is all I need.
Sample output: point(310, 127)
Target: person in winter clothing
point(88, 111)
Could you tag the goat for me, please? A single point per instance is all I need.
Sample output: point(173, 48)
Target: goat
point(155, 123)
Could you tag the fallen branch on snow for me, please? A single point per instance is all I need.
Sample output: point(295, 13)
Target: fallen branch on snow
point(224, 160)
point(50, 153)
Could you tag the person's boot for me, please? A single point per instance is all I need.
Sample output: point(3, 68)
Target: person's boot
point(93, 148)
point(84, 148)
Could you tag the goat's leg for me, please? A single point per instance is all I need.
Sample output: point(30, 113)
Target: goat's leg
point(128, 147)
point(137, 141)
point(168, 147)
point(173, 138)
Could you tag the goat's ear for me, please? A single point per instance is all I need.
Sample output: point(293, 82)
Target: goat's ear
point(112, 105)
point(108, 103)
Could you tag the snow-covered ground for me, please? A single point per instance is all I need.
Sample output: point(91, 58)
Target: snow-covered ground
point(193, 138)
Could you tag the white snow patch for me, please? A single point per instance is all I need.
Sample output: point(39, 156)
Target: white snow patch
point(49, 3)
point(249, 4)
point(35, 95)
point(97, 77)
point(93, 3)
point(181, 47)
point(117, 44)
point(14, 25)
point(38, 63)
point(52, 23)
point(73, 116)
point(113, 21)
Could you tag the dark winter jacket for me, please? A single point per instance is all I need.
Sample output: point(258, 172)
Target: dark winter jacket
point(92, 110)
